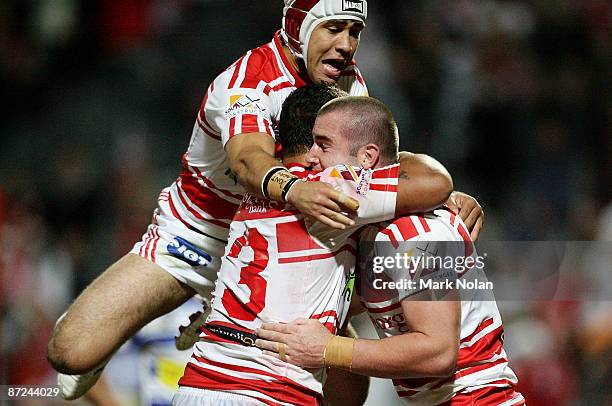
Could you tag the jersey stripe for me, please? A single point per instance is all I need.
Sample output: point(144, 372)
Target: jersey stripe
point(279, 387)
point(392, 172)
point(299, 239)
point(276, 88)
point(482, 361)
point(389, 233)
point(331, 325)
point(483, 349)
point(191, 227)
point(489, 396)
point(477, 368)
point(198, 214)
point(481, 327)
point(423, 222)
point(211, 185)
point(278, 51)
point(206, 200)
point(406, 228)
point(155, 241)
point(207, 131)
point(383, 188)
point(316, 257)
point(145, 244)
point(237, 67)
point(372, 309)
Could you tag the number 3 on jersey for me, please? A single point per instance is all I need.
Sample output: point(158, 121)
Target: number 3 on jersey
point(249, 276)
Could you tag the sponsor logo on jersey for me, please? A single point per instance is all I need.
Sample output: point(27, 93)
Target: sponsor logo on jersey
point(187, 252)
point(342, 171)
point(334, 173)
point(355, 5)
point(394, 321)
point(253, 204)
point(245, 104)
point(347, 292)
point(365, 178)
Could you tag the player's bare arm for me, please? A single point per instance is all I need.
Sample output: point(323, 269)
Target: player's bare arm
point(424, 184)
point(430, 349)
point(251, 156)
point(344, 387)
point(425, 181)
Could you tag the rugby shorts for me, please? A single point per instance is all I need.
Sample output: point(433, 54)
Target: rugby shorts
point(202, 397)
point(191, 257)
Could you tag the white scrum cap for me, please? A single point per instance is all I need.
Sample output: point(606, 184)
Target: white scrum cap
point(301, 17)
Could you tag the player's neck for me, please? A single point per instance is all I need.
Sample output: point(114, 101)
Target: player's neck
point(293, 62)
point(295, 159)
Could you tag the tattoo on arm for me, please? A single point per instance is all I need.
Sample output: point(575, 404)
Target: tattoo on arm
point(403, 175)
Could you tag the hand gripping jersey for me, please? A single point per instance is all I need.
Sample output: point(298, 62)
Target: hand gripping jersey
point(274, 271)
point(245, 98)
point(482, 375)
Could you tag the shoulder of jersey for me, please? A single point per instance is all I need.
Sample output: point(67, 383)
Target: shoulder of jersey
point(262, 65)
point(408, 227)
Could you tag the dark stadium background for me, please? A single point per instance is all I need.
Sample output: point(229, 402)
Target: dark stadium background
point(100, 97)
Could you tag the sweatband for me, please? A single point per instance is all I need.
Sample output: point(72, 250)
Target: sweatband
point(339, 352)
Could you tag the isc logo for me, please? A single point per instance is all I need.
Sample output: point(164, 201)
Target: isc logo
point(185, 251)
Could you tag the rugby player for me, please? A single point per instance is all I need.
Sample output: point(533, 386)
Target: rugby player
point(436, 351)
point(232, 148)
point(274, 270)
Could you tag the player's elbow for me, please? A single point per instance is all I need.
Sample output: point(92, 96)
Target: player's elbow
point(444, 363)
point(439, 183)
point(427, 185)
point(238, 166)
point(434, 189)
point(441, 187)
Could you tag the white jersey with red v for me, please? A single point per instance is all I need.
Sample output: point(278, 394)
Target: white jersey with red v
point(246, 98)
point(275, 271)
point(483, 376)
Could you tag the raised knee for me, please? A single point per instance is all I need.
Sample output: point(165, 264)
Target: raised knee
point(70, 356)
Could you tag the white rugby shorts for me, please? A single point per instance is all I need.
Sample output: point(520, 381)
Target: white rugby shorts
point(202, 397)
point(191, 257)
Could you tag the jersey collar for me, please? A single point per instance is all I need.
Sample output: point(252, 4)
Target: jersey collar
point(278, 44)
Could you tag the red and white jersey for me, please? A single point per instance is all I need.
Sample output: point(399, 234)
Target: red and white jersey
point(245, 98)
point(274, 271)
point(482, 367)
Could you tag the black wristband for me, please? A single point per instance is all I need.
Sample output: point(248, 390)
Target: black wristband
point(266, 179)
point(287, 188)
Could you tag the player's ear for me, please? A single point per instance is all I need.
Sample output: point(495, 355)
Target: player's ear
point(368, 156)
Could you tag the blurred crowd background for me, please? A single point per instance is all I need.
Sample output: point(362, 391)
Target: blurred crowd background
point(513, 96)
